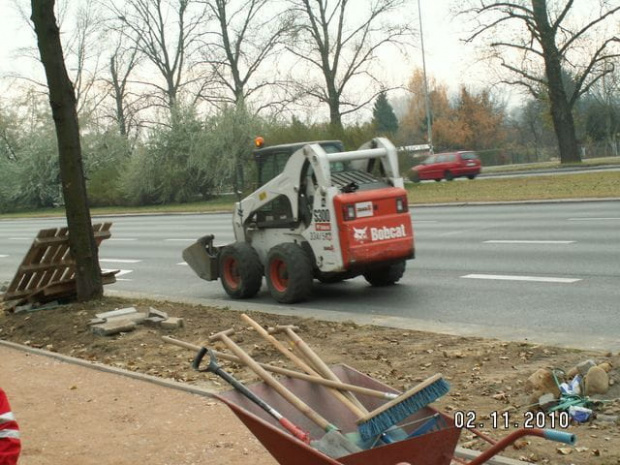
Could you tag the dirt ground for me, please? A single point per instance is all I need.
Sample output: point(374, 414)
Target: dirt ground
point(72, 415)
point(485, 375)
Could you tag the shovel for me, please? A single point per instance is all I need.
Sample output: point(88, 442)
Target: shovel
point(214, 368)
point(334, 443)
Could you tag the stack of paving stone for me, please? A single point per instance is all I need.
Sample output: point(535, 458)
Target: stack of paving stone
point(127, 319)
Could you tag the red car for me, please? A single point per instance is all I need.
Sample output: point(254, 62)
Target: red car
point(447, 166)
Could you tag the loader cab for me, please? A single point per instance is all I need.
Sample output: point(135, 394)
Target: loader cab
point(270, 161)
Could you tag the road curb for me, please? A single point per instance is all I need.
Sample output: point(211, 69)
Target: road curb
point(109, 369)
point(468, 330)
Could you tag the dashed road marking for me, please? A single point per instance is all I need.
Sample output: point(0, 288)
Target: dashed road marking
point(527, 242)
point(3, 256)
point(119, 260)
point(182, 264)
point(593, 219)
point(180, 240)
point(539, 279)
point(20, 238)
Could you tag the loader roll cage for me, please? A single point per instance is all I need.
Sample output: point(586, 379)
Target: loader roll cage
point(270, 161)
point(344, 175)
point(291, 174)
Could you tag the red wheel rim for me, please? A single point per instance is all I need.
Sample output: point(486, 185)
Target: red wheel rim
point(231, 272)
point(278, 274)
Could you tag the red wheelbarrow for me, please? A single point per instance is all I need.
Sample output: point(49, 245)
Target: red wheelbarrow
point(430, 437)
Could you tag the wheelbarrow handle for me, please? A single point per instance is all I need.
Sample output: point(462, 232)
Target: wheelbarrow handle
point(552, 435)
point(560, 436)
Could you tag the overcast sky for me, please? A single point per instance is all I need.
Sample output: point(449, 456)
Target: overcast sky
point(447, 59)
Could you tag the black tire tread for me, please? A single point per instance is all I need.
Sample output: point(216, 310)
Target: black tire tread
point(299, 268)
point(251, 270)
point(386, 276)
point(331, 279)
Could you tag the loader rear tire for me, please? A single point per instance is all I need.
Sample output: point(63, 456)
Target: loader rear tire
point(288, 273)
point(387, 275)
point(331, 279)
point(241, 271)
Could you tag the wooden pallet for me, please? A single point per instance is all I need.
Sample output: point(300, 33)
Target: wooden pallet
point(47, 272)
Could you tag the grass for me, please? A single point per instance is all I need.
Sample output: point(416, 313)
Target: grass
point(552, 165)
point(570, 186)
point(224, 203)
point(582, 185)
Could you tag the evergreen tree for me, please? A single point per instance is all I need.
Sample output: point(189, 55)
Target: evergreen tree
point(383, 116)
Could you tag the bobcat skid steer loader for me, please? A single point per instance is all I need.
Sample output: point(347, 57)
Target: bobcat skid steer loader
point(320, 212)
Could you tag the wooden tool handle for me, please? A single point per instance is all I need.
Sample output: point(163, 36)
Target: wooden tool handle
point(278, 345)
point(289, 373)
point(359, 412)
point(321, 366)
point(271, 381)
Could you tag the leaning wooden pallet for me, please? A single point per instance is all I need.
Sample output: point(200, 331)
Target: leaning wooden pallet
point(47, 272)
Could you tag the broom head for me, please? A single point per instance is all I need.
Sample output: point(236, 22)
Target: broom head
point(396, 410)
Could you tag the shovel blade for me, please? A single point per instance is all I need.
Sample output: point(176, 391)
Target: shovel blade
point(334, 444)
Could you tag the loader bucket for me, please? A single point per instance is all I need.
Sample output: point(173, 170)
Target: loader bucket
point(202, 257)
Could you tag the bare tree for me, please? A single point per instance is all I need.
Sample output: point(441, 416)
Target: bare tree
point(63, 104)
point(82, 50)
point(247, 34)
point(167, 43)
point(121, 64)
point(341, 38)
point(83, 46)
point(551, 42)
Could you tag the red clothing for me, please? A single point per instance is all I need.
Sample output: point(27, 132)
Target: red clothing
point(10, 445)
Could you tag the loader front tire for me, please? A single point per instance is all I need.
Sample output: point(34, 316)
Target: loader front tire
point(241, 271)
point(386, 275)
point(289, 273)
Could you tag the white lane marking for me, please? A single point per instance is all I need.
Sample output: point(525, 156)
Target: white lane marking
point(20, 238)
point(180, 240)
point(526, 242)
point(539, 279)
point(120, 273)
point(182, 264)
point(593, 219)
point(121, 239)
point(118, 260)
point(3, 256)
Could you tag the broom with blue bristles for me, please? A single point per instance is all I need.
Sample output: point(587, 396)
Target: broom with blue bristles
point(389, 414)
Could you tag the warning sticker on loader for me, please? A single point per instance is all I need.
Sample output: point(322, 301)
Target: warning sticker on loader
point(320, 236)
point(363, 209)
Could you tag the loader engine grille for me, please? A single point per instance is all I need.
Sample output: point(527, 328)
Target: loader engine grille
point(363, 179)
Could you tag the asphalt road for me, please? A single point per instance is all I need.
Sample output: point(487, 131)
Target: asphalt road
point(547, 272)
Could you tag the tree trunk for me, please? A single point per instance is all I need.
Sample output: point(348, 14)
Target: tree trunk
point(118, 98)
point(62, 100)
point(561, 111)
point(334, 115)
